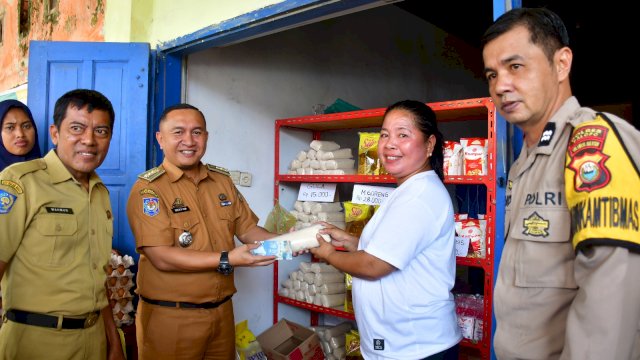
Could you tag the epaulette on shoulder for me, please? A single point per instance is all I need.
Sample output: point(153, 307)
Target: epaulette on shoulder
point(152, 173)
point(584, 114)
point(218, 169)
point(26, 167)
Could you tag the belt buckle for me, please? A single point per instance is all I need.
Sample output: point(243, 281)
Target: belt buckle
point(90, 320)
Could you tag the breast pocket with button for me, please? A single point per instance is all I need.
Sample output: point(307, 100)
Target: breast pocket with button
point(226, 218)
point(58, 240)
point(185, 224)
point(545, 255)
point(108, 239)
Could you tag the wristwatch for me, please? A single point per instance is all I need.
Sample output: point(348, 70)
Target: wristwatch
point(224, 267)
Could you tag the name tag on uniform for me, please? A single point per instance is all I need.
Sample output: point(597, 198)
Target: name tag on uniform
point(59, 210)
point(179, 206)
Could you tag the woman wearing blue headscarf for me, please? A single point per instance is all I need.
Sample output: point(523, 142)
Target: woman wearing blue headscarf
point(19, 140)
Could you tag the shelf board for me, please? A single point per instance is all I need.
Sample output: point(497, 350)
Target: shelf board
point(467, 179)
point(337, 121)
point(316, 308)
point(460, 110)
point(382, 179)
point(469, 261)
point(472, 344)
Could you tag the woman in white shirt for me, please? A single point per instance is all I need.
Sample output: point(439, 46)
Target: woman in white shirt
point(403, 265)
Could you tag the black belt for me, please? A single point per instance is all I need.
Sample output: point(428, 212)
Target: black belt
point(51, 321)
point(186, 305)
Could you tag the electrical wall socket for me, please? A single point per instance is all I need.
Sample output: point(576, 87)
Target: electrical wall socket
point(235, 176)
point(245, 179)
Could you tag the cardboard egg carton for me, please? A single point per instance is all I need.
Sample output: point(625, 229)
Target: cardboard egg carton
point(118, 274)
point(119, 284)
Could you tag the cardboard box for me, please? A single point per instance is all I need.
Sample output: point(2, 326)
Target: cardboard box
point(287, 340)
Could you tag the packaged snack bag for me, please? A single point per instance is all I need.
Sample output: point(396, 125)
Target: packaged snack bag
point(474, 229)
point(247, 346)
point(453, 158)
point(469, 312)
point(368, 162)
point(352, 345)
point(356, 217)
point(348, 302)
point(475, 156)
point(281, 249)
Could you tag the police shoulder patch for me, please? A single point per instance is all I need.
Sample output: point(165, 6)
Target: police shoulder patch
point(599, 183)
point(152, 174)
point(588, 157)
point(218, 169)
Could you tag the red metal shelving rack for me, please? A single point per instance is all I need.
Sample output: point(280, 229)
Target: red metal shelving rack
point(477, 109)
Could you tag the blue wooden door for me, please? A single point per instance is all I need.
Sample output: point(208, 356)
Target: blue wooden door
point(121, 72)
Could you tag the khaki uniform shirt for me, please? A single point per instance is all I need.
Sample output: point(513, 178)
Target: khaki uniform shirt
point(551, 302)
point(164, 204)
point(56, 238)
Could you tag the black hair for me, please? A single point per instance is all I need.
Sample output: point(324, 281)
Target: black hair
point(425, 120)
point(180, 107)
point(80, 98)
point(546, 28)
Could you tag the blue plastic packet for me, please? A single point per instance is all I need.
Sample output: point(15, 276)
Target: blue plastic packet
point(281, 249)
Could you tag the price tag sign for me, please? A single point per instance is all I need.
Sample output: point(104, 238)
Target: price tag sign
point(320, 192)
point(462, 246)
point(370, 195)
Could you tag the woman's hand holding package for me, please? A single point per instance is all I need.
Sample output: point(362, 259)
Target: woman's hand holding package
point(339, 237)
point(323, 251)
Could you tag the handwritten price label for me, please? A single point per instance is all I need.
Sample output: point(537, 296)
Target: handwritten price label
point(462, 246)
point(370, 195)
point(320, 192)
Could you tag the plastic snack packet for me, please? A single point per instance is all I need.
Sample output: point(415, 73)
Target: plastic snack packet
point(281, 249)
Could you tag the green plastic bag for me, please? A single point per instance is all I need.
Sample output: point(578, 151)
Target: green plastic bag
point(279, 221)
point(340, 106)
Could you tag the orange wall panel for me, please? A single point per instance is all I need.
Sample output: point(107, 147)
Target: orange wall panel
point(72, 21)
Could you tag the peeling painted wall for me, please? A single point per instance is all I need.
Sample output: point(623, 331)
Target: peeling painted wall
point(171, 19)
point(71, 21)
point(152, 21)
point(159, 21)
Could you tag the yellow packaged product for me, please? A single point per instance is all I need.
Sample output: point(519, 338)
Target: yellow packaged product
point(368, 161)
point(348, 301)
point(247, 346)
point(352, 345)
point(356, 217)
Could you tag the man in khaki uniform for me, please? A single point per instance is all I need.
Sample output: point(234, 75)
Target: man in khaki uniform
point(567, 282)
point(184, 216)
point(56, 228)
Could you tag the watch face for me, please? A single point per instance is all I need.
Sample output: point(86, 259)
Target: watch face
point(225, 269)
